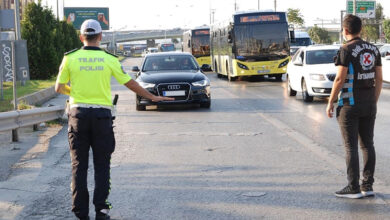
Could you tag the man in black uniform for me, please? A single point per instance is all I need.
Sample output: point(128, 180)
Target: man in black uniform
point(358, 84)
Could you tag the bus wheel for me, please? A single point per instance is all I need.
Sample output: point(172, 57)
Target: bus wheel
point(305, 95)
point(230, 78)
point(278, 77)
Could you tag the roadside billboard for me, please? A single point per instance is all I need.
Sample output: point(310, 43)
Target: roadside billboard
point(77, 16)
point(364, 8)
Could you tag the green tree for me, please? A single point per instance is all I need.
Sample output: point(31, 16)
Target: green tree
point(319, 35)
point(295, 17)
point(370, 33)
point(47, 40)
point(37, 28)
point(370, 30)
point(386, 29)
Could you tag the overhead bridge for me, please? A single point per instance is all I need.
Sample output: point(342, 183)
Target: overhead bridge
point(126, 36)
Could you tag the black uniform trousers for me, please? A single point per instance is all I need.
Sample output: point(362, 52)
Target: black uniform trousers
point(357, 124)
point(90, 128)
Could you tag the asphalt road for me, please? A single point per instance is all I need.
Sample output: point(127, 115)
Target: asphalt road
point(256, 154)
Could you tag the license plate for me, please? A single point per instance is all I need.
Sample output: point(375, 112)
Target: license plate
point(174, 93)
point(263, 71)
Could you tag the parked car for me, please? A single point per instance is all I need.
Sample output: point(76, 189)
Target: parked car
point(312, 72)
point(385, 50)
point(173, 74)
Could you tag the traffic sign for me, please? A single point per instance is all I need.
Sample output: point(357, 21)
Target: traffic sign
point(364, 8)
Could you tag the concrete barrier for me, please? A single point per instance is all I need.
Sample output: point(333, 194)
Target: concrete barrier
point(38, 98)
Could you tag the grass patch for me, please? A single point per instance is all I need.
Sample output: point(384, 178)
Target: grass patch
point(30, 87)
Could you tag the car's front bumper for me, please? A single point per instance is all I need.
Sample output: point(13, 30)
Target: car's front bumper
point(320, 88)
point(197, 95)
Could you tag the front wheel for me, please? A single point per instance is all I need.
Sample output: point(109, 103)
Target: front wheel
point(305, 95)
point(205, 104)
point(290, 91)
point(140, 107)
point(278, 77)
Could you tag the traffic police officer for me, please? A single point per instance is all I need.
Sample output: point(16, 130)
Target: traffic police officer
point(89, 72)
point(358, 84)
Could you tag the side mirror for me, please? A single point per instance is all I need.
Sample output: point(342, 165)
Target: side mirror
point(292, 36)
point(230, 38)
point(135, 69)
point(298, 62)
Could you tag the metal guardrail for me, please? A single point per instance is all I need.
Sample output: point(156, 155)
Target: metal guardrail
point(17, 119)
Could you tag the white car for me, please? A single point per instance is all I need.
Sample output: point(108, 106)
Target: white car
point(385, 50)
point(386, 69)
point(312, 72)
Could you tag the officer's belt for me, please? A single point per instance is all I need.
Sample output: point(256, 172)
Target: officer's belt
point(81, 105)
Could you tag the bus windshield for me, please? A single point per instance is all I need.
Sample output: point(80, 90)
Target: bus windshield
point(201, 46)
point(167, 47)
point(261, 42)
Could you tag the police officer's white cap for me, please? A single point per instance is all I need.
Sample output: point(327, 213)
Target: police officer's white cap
point(90, 27)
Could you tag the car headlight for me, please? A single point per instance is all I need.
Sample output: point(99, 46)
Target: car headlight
point(201, 83)
point(242, 66)
point(146, 85)
point(284, 63)
point(317, 77)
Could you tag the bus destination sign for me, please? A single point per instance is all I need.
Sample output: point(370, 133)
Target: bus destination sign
point(259, 18)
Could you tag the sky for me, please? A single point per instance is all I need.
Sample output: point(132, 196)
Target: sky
point(167, 14)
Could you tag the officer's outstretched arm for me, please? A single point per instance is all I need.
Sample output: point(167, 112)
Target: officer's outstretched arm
point(62, 88)
point(135, 87)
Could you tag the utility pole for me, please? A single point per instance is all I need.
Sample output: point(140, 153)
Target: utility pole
point(15, 136)
point(17, 20)
point(58, 11)
point(258, 5)
point(341, 25)
point(275, 4)
point(354, 7)
point(235, 5)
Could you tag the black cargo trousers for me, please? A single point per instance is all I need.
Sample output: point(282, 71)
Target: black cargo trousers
point(90, 127)
point(357, 123)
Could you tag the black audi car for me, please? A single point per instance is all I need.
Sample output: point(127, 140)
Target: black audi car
point(173, 74)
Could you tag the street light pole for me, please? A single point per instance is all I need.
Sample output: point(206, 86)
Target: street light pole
point(17, 20)
point(258, 5)
point(341, 25)
point(275, 4)
point(354, 7)
point(58, 11)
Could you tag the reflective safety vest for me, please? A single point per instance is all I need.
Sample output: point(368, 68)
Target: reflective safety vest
point(89, 71)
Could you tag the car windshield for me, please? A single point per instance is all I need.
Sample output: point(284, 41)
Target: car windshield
point(320, 56)
point(170, 62)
